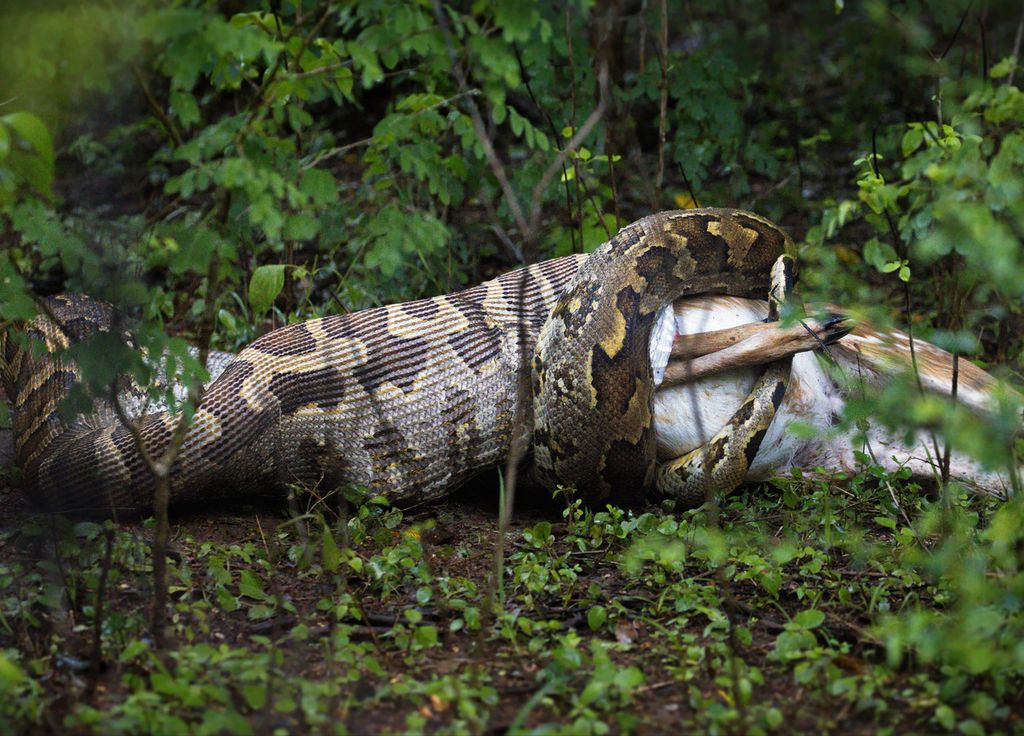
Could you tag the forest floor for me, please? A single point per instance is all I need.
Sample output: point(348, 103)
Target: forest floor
point(612, 621)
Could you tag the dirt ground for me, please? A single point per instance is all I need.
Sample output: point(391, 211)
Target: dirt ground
point(648, 635)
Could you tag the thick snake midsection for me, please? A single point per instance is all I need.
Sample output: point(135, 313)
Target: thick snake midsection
point(407, 400)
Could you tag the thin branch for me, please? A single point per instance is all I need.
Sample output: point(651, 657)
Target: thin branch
point(154, 106)
point(528, 227)
point(257, 107)
point(663, 107)
point(553, 130)
point(689, 189)
point(478, 123)
point(574, 143)
point(956, 33)
point(953, 393)
point(572, 122)
point(1016, 45)
point(984, 46)
point(904, 253)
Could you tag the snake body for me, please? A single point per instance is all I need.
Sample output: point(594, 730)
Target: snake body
point(411, 399)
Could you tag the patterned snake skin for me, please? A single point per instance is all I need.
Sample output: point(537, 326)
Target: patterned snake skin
point(411, 399)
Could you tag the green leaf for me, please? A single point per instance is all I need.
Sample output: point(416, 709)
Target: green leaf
point(217, 721)
point(319, 186)
point(301, 226)
point(255, 696)
point(911, 141)
point(426, 636)
point(596, 617)
point(809, 619)
point(251, 586)
point(32, 130)
point(629, 678)
point(225, 600)
point(887, 522)
point(946, 717)
point(5, 143)
point(517, 18)
point(184, 106)
point(10, 673)
point(1003, 68)
point(265, 286)
point(904, 273)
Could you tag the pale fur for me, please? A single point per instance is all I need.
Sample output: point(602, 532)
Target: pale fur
point(688, 415)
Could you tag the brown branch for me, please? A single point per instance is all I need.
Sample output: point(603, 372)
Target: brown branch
point(257, 107)
point(953, 392)
point(154, 106)
point(663, 108)
point(574, 143)
point(478, 123)
point(572, 123)
point(1016, 46)
point(553, 130)
point(528, 227)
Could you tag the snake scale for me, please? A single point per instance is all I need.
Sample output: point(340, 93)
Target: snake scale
point(411, 399)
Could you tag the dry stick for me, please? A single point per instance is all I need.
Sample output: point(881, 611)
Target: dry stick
point(478, 124)
point(1016, 45)
point(663, 109)
point(642, 45)
point(984, 45)
point(528, 229)
point(689, 189)
point(257, 107)
point(596, 205)
point(575, 142)
point(953, 392)
point(554, 137)
point(161, 470)
point(339, 150)
point(611, 176)
point(155, 107)
point(572, 122)
point(101, 588)
point(902, 251)
point(516, 450)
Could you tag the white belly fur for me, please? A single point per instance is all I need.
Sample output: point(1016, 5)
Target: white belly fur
point(688, 415)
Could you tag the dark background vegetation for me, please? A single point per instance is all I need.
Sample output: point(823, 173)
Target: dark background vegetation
point(219, 168)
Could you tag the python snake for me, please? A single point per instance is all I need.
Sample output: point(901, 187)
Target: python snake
point(409, 400)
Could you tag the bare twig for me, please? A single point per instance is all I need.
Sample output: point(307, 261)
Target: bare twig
point(336, 151)
point(154, 106)
point(689, 189)
point(553, 130)
point(101, 596)
point(575, 142)
point(161, 469)
point(903, 252)
point(663, 107)
point(478, 124)
point(528, 226)
point(258, 106)
point(953, 392)
point(1016, 45)
point(572, 121)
